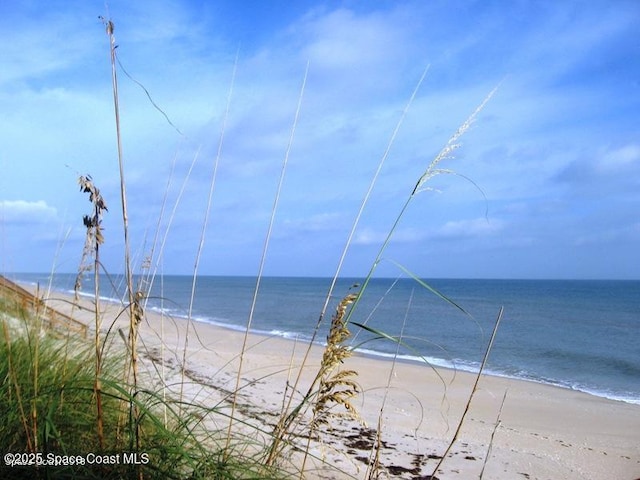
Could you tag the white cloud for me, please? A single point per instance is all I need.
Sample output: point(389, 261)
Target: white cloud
point(619, 160)
point(615, 171)
point(21, 212)
point(370, 236)
point(341, 39)
point(316, 223)
point(412, 242)
point(38, 47)
point(477, 227)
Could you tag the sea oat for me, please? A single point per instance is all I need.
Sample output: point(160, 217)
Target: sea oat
point(448, 149)
point(93, 224)
point(93, 240)
point(336, 387)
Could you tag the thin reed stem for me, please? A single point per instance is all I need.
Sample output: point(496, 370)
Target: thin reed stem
point(473, 391)
point(98, 326)
point(265, 249)
point(133, 302)
point(431, 171)
point(123, 196)
point(365, 199)
point(286, 413)
point(94, 238)
point(196, 265)
point(152, 271)
point(373, 466)
point(493, 434)
point(36, 368)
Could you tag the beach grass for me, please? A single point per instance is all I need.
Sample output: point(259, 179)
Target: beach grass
point(48, 397)
point(67, 396)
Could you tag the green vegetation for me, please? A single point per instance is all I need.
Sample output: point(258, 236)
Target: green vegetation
point(48, 405)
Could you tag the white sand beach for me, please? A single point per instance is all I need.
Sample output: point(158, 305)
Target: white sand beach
point(540, 432)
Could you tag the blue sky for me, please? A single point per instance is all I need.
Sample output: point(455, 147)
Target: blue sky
point(556, 152)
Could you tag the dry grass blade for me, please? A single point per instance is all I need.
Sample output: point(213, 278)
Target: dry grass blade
point(155, 105)
point(265, 248)
point(493, 434)
point(212, 185)
point(473, 391)
point(93, 223)
point(93, 240)
point(373, 465)
point(132, 300)
point(429, 173)
point(365, 200)
point(330, 387)
point(288, 412)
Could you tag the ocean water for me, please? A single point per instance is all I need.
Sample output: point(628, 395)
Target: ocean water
point(577, 334)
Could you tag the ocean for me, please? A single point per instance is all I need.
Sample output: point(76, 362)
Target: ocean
point(576, 334)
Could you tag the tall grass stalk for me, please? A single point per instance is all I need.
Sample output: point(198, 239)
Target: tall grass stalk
point(150, 276)
point(493, 434)
point(288, 417)
point(34, 410)
point(154, 266)
point(365, 199)
point(40, 315)
point(212, 183)
point(163, 243)
point(373, 465)
point(156, 236)
point(335, 386)
point(265, 249)
point(433, 169)
point(160, 257)
point(94, 238)
point(15, 381)
point(473, 391)
point(285, 418)
point(133, 305)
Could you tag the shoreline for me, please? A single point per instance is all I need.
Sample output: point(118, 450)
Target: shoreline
point(541, 431)
point(437, 363)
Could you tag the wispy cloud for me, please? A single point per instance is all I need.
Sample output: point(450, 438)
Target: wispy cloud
point(450, 230)
point(473, 228)
point(369, 236)
point(614, 171)
point(21, 212)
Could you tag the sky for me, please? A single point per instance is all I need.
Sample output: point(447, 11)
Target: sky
point(220, 101)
